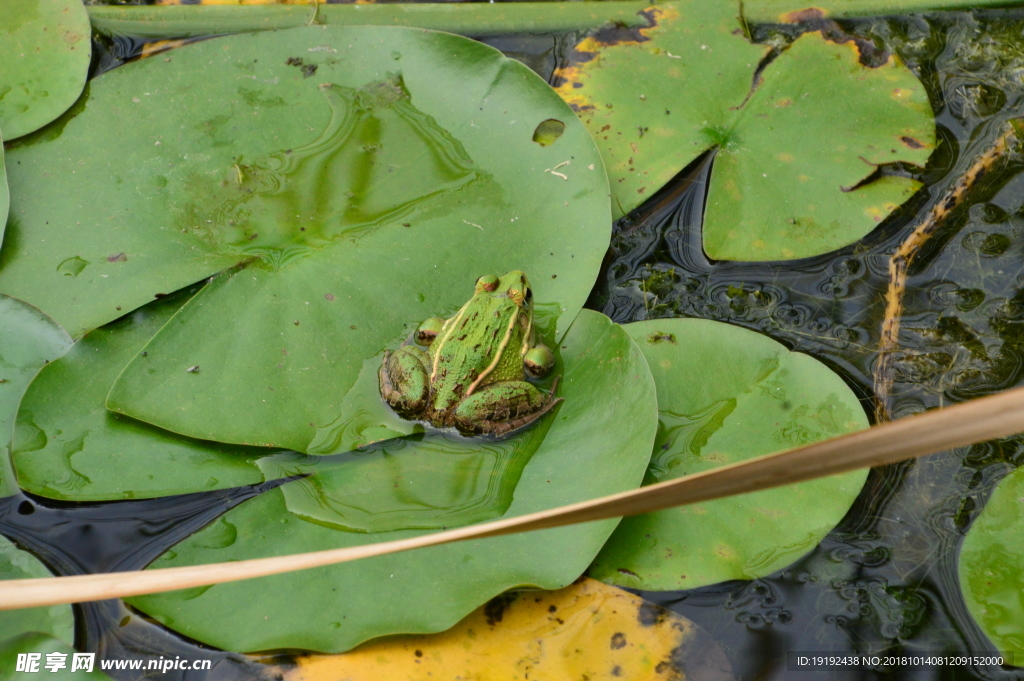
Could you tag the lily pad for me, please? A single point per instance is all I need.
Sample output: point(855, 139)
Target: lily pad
point(68, 446)
point(28, 340)
point(55, 620)
point(991, 572)
point(588, 631)
point(352, 201)
point(795, 150)
point(598, 443)
point(44, 59)
point(726, 394)
point(234, 140)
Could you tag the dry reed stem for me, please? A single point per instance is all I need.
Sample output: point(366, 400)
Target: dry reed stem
point(982, 419)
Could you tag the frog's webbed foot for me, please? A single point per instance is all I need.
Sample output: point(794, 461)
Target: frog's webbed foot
point(405, 381)
point(502, 408)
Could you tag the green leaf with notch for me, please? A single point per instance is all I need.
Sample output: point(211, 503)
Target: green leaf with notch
point(797, 150)
point(726, 394)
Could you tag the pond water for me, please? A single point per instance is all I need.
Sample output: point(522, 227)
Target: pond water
point(885, 579)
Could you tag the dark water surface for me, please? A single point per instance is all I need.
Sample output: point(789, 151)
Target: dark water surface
point(885, 580)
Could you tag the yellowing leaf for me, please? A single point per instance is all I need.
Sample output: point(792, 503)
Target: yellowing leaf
point(585, 631)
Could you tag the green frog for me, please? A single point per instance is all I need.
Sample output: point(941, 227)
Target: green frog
point(472, 375)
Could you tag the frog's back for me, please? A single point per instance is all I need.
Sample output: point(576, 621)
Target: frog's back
point(460, 359)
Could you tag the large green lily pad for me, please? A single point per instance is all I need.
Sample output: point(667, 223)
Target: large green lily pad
point(726, 394)
point(356, 202)
point(67, 445)
point(598, 443)
point(792, 150)
point(44, 59)
point(55, 620)
point(992, 567)
point(28, 340)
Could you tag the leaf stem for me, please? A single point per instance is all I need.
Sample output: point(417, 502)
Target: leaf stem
point(908, 250)
point(476, 19)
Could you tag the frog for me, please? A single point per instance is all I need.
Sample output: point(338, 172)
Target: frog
point(472, 375)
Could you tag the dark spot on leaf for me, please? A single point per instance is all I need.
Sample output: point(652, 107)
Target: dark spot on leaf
point(552, 608)
point(329, 296)
point(618, 640)
point(615, 34)
point(650, 615)
point(624, 571)
point(308, 70)
point(911, 142)
point(495, 608)
point(658, 337)
point(548, 132)
point(419, 653)
point(294, 61)
point(117, 257)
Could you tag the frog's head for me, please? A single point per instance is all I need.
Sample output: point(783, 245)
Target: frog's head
point(514, 286)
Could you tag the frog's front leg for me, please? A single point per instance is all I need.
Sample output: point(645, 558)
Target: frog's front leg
point(500, 408)
point(405, 380)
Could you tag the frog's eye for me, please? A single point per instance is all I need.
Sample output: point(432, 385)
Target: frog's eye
point(516, 295)
point(487, 283)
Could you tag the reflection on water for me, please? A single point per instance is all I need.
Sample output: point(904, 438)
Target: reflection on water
point(377, 161)
point(425, 481)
